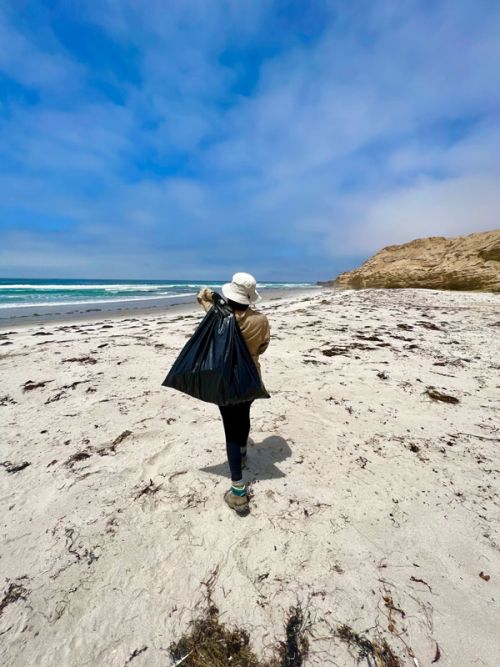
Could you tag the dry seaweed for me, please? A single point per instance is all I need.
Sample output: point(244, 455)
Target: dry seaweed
point(293, 651)
point(378, 651)
point(56, 397)
point(76, 457)
point(437, 654)
point(436, 395)
point(82, 360)
point(104, 451)
point(339, 350)
point(148, 490)
point(210, 643)
point(135, 653)
point(14, 592)
point(429, 325)
point(7, 400)
point(15, 467)
point(30, 384)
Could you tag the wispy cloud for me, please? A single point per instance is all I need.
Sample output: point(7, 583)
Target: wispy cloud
point(289, 139)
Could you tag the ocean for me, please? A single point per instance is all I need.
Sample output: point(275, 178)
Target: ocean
point(28, 297)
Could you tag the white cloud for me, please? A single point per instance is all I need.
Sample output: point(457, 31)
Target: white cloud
point(340, 148)
point(430, 208)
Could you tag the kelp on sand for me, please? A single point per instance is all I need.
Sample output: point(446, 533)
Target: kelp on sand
point(210, 643)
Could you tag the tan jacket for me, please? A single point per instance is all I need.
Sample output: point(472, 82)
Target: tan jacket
point(253, 325)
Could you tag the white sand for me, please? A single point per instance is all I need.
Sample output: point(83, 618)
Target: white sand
point(364, 487)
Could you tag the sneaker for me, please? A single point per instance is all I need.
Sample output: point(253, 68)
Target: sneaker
point(237, 503)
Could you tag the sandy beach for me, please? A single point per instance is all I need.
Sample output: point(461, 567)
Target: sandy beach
point(374, 470)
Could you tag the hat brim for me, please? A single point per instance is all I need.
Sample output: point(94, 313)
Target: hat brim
point(229, 293)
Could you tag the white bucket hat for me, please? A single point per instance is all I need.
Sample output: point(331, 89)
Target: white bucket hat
point(242, 289)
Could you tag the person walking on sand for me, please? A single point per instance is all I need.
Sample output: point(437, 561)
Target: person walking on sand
point(240, 294)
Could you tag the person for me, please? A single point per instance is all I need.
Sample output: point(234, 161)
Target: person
point(240, 294)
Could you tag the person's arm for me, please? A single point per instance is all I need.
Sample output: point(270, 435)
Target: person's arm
point(204, 298)
point(266, 337)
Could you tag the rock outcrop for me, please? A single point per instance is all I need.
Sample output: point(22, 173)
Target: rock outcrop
point(463, 263)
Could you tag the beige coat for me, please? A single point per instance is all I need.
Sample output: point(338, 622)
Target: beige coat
point(253, 325)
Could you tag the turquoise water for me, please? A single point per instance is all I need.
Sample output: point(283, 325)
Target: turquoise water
point(30, 292)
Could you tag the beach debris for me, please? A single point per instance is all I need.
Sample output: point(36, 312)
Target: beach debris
point(437, 654)
point(420, 581)
point(111, 525)
point(295, 648)
point(361, 461)
point(379, 651)
point(121, 438)
point(211, 643)
point(7, 400)
point(111, 449)
point(429, 325)
point(84, 554)
point(373, 338)
point(339, 350)
point(336, 350)
point(56, 397)
point(29, 385)
point(436, 395)
point(42, 333)
point(484, 576)
point(76, 457)
point(135, 653)
point(74, 385)
point(382, 375)
point(82, 360)
point(176, 474)
point(389, 603)
point(15, 591)
point(148, 490)
point(15, 467)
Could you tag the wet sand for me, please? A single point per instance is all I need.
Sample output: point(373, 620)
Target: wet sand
point(117, 309)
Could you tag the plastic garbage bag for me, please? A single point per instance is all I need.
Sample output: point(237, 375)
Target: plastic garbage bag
point(215, 364)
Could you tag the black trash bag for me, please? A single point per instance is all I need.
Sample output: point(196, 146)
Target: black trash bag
point(215, 364)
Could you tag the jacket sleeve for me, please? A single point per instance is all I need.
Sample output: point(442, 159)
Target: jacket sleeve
point(266, 337)
point(204, 298)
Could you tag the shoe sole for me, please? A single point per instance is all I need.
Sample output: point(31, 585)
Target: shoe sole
point(241, 510)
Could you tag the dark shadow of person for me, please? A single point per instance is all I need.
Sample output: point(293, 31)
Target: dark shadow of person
point(262, 458)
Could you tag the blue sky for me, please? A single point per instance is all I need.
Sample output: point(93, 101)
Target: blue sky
point(190, 138)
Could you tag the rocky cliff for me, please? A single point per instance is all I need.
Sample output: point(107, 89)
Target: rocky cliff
point(462, 263)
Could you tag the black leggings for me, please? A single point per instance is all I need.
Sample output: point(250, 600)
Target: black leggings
point(236, 420)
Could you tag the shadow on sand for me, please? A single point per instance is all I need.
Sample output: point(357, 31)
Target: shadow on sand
point(262, 458)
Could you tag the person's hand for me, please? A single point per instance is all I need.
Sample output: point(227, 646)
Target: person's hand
point(205, 294)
